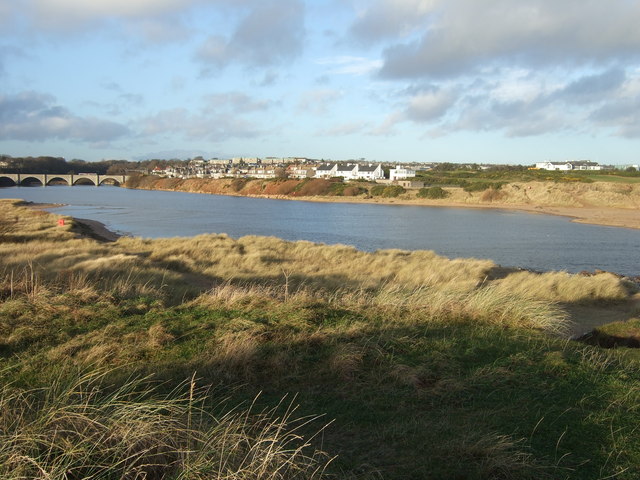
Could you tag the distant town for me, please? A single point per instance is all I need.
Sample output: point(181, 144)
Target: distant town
point(275, 167)
point(300, 168)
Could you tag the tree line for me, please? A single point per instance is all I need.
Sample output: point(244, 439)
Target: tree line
point(59, 165)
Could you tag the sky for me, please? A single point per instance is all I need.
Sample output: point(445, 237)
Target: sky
point(465, 81)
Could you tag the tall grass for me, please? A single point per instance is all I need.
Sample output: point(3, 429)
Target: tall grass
point(565, 287)
point(88, 429)
point(55, 260)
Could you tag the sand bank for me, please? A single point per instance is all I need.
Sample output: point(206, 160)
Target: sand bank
point(598, 203)
point(612, 217)
point(94, 229)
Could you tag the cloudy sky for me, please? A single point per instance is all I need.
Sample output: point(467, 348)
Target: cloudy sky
point(498, 81)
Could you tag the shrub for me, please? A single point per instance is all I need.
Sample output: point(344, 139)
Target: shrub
point(353, 191)
point(238, 184)
point(390, 191)
point(432, 193)
point(377, 190)
point(482, 186)
point(393, 191)
point(337, 188)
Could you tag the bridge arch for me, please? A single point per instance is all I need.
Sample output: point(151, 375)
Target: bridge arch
point(31, 182)
point(84, 181)
point(7, 181)
point(57, 181)
point(109, 181)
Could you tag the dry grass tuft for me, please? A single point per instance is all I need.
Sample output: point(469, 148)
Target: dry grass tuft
point(488, 305)
point(84, 430)
point(346, 361)
point(500, 456)
point(159, 336)
point(565, 287)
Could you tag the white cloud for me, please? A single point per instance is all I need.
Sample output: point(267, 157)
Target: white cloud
point(388, 126)
point(430, 106)
point(461, 36)
point(350, 65)
point(76, 10)
point(318, 100)
point(215, 127)
point(390, 18)
point(272, 33)
point(33, 116)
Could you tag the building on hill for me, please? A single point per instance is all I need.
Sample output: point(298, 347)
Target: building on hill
point(347, 171)
point(400, 173)
point(326, 170)
point(569, 166)
point(369, 172)
point(350, 171)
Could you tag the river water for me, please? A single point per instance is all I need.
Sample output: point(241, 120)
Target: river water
point(510, 238)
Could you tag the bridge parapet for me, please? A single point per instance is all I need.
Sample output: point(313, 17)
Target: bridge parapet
point(70, 179)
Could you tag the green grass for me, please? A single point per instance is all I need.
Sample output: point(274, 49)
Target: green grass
point(466, 178)
point(440, 370)
point(410, 396)
point(615, 178)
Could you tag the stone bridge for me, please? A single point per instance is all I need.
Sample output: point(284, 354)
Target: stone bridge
point(44, 179)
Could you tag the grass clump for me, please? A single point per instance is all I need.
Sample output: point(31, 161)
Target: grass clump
point(567, 288)
point(387, 191)
point(481, 186)
point(86, 429)
point(432, 193)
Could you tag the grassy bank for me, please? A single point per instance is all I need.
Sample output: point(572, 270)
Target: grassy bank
point(418, 366)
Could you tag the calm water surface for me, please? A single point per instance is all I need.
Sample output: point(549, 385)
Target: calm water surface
point(510, 238)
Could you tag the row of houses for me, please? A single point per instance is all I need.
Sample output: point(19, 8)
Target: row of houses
point(199, 168)
point(350, 171)
point(569, 166)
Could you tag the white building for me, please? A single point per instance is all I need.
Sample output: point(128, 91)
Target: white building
point(348, 172)
point(400, 173)
point(351, 171)
point(326, 170)
point(568, 166)
point(370, 172)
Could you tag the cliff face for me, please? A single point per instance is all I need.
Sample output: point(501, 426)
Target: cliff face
point(246, 187)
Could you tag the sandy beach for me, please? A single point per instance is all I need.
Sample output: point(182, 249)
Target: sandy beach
point(611, 217)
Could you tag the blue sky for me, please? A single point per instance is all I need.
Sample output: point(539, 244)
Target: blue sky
point(491, 81)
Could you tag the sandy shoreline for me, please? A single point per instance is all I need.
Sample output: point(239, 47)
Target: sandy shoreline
point(584, 212)
point(83, 226)
point(95, 229)
point(609, 217)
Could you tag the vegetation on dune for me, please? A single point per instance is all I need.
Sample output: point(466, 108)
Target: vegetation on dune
point(433, 193)
point(459, 188)
point(424, 367)
point(84, 428)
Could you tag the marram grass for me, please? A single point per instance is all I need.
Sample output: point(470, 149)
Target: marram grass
point(430, 368)
point(89, 429)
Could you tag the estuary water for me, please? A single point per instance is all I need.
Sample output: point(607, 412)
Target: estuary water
point(510, 238)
